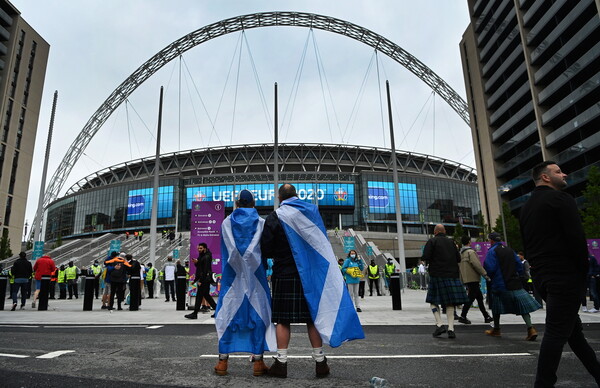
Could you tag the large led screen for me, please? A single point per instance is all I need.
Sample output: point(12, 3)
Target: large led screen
point(139, 204)
point(382, 197)
point(323, 194)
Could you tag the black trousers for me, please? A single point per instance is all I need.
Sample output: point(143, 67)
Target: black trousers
point(150, 284)
point(562, 294)
point(170, 285)
point(96, 287)
point(204, 292)
point(72, 285)
point(62, 290)
point(474, 293)
point(361, 289)
point(52, 290)
point(119, 290)
point(376, 281)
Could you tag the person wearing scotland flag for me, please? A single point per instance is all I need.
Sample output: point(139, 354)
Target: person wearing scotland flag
point(243, 315)
point(307, 286)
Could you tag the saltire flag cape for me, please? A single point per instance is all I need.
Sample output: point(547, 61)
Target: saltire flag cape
point(243, 315)
point(326, 295)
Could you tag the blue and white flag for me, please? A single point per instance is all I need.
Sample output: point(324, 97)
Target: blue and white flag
point(243, 316)
point(326, 295)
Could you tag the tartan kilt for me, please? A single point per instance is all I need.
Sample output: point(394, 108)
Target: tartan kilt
point(446, 291)
point(517, 302)
point(288, 302)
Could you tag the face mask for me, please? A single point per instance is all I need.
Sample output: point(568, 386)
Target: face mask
point(353, 256)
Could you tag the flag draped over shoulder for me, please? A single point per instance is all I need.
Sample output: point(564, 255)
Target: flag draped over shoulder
point(326, 295)
point(243, 316)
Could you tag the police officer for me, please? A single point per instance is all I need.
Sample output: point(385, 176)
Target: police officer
point(389, 270)
point(62, 282)
point(374, 278)
point(96, 270)
point(150, 277)
point(71, 273)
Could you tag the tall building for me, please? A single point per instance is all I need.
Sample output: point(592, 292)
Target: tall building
point(23, 59)
point(532, 75)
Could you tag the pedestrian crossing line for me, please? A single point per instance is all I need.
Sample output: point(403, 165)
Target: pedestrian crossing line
point(13, 355)
point(154, 327)
point(393, 356)
point(55, 354)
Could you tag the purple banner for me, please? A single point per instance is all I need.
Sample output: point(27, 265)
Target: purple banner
point(594, 247)
point(205, 226)
point(481, 248)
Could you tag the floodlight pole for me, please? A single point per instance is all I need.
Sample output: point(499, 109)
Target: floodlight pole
point(276, 157)
point(153, 218)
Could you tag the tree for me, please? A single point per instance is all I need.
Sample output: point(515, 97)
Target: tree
point(5, 251)
point(458, 232)
point(513, 229)
point(590, 214)
point(484, 229)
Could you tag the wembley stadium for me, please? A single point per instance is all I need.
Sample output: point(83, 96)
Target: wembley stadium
point(351, 185)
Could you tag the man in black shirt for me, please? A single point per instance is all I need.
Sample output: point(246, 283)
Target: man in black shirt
point(556, 248)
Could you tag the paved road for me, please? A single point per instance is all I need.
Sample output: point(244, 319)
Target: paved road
point(184, 355)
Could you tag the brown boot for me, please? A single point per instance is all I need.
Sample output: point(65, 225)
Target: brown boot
point(278, 369)
point(322, 368)
point(259, 367)
point(531, 334)
point(493, 332)
point(221, 368)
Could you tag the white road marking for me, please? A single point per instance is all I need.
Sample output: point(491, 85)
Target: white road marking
point(395, 356)
point(93, 326)
point(13, 355)
point(154, 327)
point(18, 326)
point(55, 354)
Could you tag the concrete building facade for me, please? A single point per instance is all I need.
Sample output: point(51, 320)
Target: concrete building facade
point(23, 60)
point(531, 69)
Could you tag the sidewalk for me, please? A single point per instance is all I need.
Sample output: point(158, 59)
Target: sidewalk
point(376, 310)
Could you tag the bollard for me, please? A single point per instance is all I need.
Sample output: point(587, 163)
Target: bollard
point(3, 281)
point(43, 295)
point(88, 293)
point(180, 290)
point(395, 291)
point(134, 293)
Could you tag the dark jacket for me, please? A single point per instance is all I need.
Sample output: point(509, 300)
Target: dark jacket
point(204, 268)
point(442, 256)
point(22, 268)
point(274, 244)
point(135, 269)
point(552, 233)
point(594, 267)
point(504, 267)
point(118, 275)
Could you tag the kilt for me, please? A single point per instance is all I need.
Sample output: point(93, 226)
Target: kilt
point(446, 291)
point(288, 302)
point(517, 302)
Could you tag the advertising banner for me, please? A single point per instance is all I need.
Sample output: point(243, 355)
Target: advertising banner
point(115, 246)
point(348, 243)
point(382, 197)
point(205, 226)
point(323, 194)
point(481, 248)
point(139, 203)
point(38, 250)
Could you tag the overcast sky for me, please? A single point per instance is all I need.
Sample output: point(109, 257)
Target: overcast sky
point(330, 86)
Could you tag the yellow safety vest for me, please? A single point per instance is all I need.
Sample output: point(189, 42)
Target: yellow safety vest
point(96, 269)
point(71, 273)
point(373, 272)
point(61, 276)
point(389, 269)
point(150, 274)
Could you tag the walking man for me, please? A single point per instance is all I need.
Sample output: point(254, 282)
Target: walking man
point(44, 266)
point(445, 288)
point(307, 286)
point(471, 272)
point(556, 248)
point(21, 272)
point(243, 316)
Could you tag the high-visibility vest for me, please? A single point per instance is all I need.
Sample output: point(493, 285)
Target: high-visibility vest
point(96, 269)
point(11, 277)
point(71, 273)
point(373, 272)
point(187, 273)
point(54, 275)
point(161, 275)
point(389, 269)
point(61, 276)
point(150, 273)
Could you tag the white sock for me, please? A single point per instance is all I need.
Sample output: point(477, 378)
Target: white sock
point(450, 316)
point(257, 357)
point(436, 314)
point(223, 356)
point(282, 355)
point(318, 355)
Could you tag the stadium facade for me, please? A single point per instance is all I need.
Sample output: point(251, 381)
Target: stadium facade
point(352, 185)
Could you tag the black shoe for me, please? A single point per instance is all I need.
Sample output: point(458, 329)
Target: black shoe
point(358, 310)
point(166, 300)
point(14, 307)
point(451, 334)
point(193, 315)
point(463, 320)
point(110, 308)
point(322, 369)
point(212, 316)
point(103, 308)
point(488, 319)
point(278, 369)
point(439, 331)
